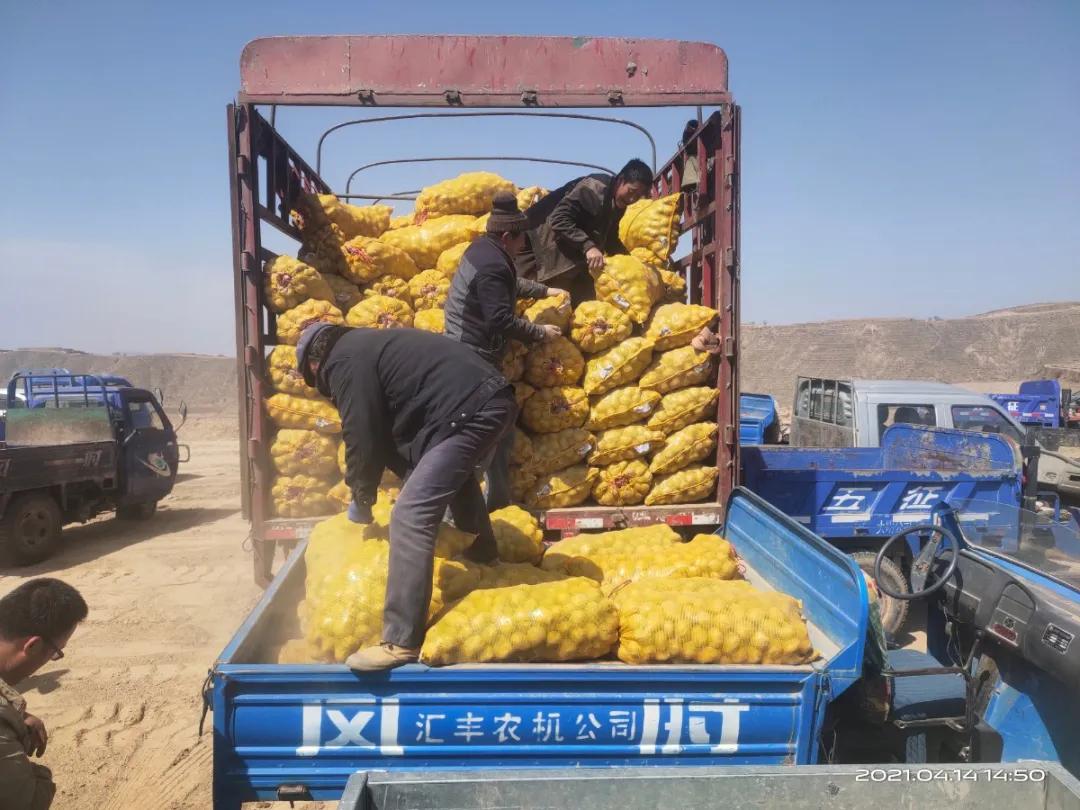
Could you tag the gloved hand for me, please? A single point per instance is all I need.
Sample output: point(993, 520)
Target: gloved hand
point(359, 514)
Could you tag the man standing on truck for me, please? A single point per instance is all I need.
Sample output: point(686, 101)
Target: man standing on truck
point(573, 227)
point(37, 620)
point(480, 312)
point(431, 410)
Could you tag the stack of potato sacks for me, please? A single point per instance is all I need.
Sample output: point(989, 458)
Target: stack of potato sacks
point(641, 595)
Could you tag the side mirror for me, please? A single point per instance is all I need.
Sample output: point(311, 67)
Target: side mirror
point(183, 415)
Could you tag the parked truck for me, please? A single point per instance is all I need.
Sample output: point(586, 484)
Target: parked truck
point(77, 446)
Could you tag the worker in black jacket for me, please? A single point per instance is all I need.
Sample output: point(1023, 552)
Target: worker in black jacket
point(430, 410)
point(481, 312)
point(574, 227)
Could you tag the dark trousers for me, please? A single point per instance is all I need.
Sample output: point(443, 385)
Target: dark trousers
point(444, 477)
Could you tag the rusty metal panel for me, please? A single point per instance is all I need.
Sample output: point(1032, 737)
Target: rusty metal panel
point(489, 71)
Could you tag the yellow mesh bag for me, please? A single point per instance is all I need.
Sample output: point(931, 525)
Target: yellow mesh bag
point(297, 651)
point(709, 621)
point(479, 226)
point(391, 287)
point(522, 306)
point(675, 325)
point(557, 451)
point(690, 484)
point(530, 196)
point(285, 376)
point(296, 452)
point(626, 541)
point(554, 310)
point(629, 285)
point(402, 221)
point(674, 285)
point(652, 225)
point(298, 496)
point(430, 320)
point(449, 259)
point(326, 224)
point(678, 368)
point(507, 575)
point(289, 283)
point(468, 193)
point(340, 494)
point(625, 483)
point(429, 290)
point(626, 444)
point(597, 325)
point(553, 362)
point(354, 220)
point(684, 447)
point(522, 452)
point(512, 363)
point(518, 535)
point(550, 410)
point(522, 391)
point(426, 241)
point(381, 312)
point(294, 321)
point(367, 259)
point(287, 411)
point(341, 459)
point(568, 487)
point(343, 293)
point(567, 620)
point(522, 482)
point(617, 366)
point(684, 407)
point(621, 407)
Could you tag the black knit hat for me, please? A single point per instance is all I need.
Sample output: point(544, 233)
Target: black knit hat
point(505, 215)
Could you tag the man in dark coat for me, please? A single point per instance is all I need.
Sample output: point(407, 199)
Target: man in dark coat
point(574, 227)
point(431, 410)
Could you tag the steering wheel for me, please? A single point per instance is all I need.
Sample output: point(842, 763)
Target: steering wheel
point(920, 567)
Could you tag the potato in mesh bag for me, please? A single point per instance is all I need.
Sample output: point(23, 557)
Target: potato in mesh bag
point(628, 541)
point(567, 620)
point(297, 651)
point(709, 621)
point(624, 483)
point(684, 447)
point(343, 293)
point(402, 221)
point(554, 310)
point(341, 459)
point(367, 259)
point(479, 227)
point(284, 374)
point(507, 575)
point(381, 312)
point(522, 452)
point(621, 407)
point(597, 325)
point(522, 482)
point(568, 487)
point(674, 285)
point(552, 452)
point(449, 259)
point(629, 285)
point(651, 225)
point(617, 366)
point(287, 411)
point(468, 193)
point(550, 410)
point(522, 391)
point(353, 220)
point(426, 241)
point(530, 196)
point(678, 368)
point(340, 494)
point(688, 485)
point(291, 323)
point(707, 555)
point(512, 363)
point(297, 496)
point(296, 452)
point(626, 444)
point(518, 535)
point(553, 362)
point(430, 320)
point(684, 407)
point(675, 325)
point(429, 290)
point(391, 287)
point(290, 283)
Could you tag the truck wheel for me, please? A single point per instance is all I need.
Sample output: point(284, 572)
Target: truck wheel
point(893, 611)
point(30, 530)
point(137, 511)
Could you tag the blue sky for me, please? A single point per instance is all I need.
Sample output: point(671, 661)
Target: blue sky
point(905, 159)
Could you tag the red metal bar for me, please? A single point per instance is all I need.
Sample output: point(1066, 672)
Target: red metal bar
point(487, 71)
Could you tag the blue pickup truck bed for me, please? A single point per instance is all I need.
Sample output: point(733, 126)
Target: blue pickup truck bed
point(300, 731)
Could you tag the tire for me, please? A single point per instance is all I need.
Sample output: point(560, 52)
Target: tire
point(30, 529)
point(893, 611)
point(137, 511)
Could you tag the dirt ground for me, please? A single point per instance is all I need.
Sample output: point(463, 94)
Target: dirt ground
point(122, 708)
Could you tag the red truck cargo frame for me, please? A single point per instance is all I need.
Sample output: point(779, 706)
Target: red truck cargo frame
point(454, 72)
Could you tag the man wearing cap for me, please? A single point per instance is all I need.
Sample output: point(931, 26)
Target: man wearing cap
point(430, 410)
point(480, 311)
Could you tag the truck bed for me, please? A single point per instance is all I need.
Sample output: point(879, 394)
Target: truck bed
point(314, 725)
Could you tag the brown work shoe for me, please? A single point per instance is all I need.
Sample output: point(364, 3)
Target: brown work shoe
point(380, 657)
